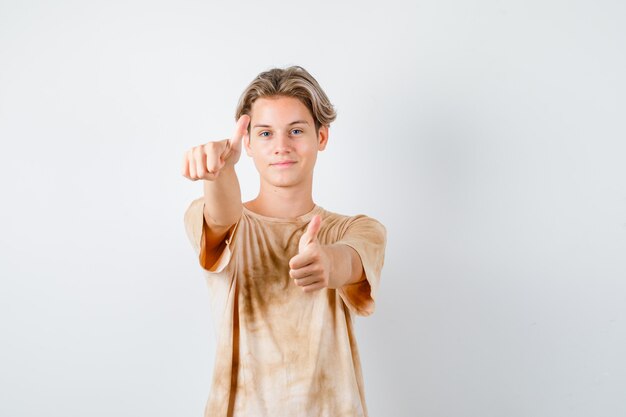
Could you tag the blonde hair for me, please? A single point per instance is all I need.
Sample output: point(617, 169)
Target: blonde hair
point(295, 82)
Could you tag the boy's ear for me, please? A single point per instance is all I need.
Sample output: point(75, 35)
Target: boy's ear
point(322, 138)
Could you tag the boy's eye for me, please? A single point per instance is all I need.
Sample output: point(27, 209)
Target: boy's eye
point(263, 133)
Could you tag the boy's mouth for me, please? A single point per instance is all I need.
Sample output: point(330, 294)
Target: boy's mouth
point(284, 163)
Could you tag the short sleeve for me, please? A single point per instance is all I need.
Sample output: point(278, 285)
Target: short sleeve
point(195, 227)
point(368, 237)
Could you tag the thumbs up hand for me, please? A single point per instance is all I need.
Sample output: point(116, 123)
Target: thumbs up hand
point(311, 267)
point(208, 160)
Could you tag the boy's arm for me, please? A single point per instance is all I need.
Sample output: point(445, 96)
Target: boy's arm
point(222, 209)
point(346, 267)
point(214, 163)
point(222, 199)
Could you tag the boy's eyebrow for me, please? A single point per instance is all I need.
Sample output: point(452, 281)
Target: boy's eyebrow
point(292, 123)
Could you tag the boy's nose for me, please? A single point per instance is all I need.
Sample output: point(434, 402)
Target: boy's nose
point(282, 144)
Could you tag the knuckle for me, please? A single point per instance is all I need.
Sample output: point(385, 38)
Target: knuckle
point(212, 146)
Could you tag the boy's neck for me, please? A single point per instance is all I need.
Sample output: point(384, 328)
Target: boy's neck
point(282, 203)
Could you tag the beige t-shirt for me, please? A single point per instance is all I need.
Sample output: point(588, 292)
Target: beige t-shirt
point(281, 351)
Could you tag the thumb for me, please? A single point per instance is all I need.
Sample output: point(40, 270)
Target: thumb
point(313, 228)
point(241, 129)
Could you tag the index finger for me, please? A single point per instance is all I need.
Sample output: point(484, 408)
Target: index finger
point(300, 260)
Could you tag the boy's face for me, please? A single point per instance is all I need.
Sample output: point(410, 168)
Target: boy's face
point(275, 138)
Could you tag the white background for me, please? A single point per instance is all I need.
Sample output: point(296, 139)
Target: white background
point(488, 137)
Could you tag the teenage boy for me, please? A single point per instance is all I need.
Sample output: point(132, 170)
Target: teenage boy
point(285, 275)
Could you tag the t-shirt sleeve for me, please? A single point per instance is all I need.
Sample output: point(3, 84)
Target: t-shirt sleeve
point(195, 226)
point(368, 237)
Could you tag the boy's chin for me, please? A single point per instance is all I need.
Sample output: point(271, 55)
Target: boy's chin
point(282, 182)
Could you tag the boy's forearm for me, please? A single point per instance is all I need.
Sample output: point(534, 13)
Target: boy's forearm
point(346, 266)
point(222, 198)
